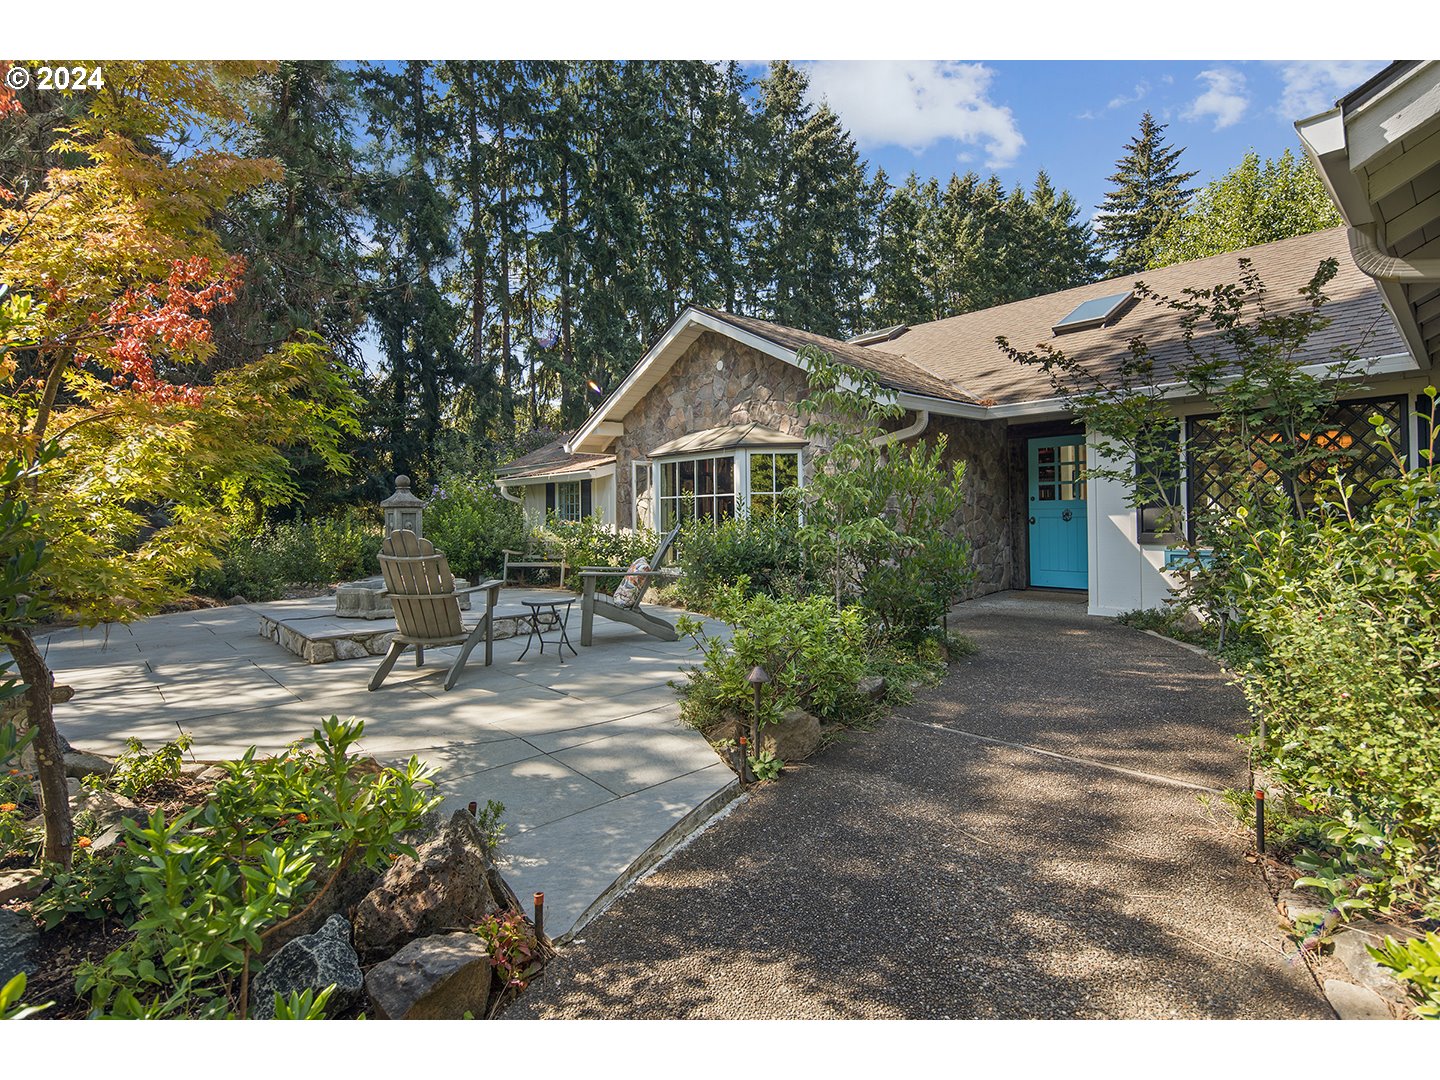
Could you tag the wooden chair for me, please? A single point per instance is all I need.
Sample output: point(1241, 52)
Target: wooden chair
point(421, 589)
point(605, 605)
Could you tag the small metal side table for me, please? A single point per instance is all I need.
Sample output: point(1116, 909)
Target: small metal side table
point(557, 619)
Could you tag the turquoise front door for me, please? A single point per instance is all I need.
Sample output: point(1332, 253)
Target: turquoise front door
point(1059, 547)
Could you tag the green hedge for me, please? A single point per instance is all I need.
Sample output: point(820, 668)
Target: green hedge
point(261, 564)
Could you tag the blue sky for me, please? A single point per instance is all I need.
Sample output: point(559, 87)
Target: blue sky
point(1072, 118)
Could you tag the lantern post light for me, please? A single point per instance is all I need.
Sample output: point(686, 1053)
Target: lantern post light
point(757, 678)
point(403, 510)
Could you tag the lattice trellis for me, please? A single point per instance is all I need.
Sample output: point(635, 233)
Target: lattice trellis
point(1348, 438)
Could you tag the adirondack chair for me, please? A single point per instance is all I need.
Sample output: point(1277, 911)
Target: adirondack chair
point(619, 606)
point(421, 589)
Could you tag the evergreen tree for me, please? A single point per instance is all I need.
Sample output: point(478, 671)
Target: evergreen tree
point(809, 208)
point(1251, 204)
point(298, 231)
point(901, 293)
point(411, 220)
point(1149, 193)
point(1062, 250)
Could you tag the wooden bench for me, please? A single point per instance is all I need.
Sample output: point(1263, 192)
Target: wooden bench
point(528, 560)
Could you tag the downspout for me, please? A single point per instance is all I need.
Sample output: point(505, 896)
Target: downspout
point(922, 421)
point(1375, 263)
point(505, 493)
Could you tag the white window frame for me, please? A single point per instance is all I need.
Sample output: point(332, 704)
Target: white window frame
point(561, 490)
point(741, 455)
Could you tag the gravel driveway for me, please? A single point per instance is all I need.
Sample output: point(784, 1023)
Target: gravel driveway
point(991, 851)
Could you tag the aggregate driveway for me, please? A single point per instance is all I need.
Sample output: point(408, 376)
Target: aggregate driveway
point(1028, 839)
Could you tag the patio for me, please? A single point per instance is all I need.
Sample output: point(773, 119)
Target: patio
point(588, 756)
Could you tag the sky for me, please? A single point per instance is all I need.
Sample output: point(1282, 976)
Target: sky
point(1072, 118)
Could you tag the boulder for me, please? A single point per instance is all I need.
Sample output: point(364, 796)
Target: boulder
point(79, 764)
point(447, 887)
point(1352, 1002)
point(441, 977)
point(872, 687)
point(356, 881)
point(20, 885)
point(311, 962)
point(17, 938)
point(110, 809)
point(794, 738)
point(1350, 950)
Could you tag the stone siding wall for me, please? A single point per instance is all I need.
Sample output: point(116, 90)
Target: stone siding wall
point(718, 381)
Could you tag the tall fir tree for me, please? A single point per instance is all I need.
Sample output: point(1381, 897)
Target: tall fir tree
point(298, 232)
point(1149, 193)
point(411, 219)
point(1062, 250)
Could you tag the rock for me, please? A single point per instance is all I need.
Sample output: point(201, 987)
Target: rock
point(441, 977)
point(448, 887)
point(20, 885)
point(1305, 909)
point(1352, 1002)
point(1350, 950)
point(311, 962)
point(17, 937)
point(79, 764)
point(212, 774)
point(872, 687)
point(110, 809)
point(794, 738)
point(355, 883)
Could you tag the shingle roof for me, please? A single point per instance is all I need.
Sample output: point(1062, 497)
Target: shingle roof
point(550, 460)
point(961, 351)
point(891, 370)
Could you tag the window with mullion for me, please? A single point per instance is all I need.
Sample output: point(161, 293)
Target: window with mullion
point(696, 488)
point(772, 475)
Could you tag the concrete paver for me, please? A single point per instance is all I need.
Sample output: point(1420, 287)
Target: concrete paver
point(579, 743)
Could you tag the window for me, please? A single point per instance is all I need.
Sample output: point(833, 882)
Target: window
point(714, 487)
point(1347, 435)
point(567, 501)
point(770, 476)
point(1161, 521)
point(696, 488)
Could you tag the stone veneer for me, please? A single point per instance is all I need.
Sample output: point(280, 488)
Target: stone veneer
point(719, 382)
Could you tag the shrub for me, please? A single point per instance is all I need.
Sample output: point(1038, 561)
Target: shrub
point(814, 653)
point(259, 565)
point(202, 892)
point(591, 542)
point(469, 521)
point(762, 549)
point(1417, 962)
point(881, 519)
point(1345, 608)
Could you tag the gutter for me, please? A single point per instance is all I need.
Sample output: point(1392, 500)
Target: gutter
point(1374, 262)
point(922, 421)
point(505, 493)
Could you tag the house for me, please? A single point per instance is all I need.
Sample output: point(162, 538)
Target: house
point(705, 424)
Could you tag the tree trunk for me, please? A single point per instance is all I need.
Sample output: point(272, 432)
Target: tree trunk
point(54, 793)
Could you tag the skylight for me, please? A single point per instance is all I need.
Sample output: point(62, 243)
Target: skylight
point(1092, 312)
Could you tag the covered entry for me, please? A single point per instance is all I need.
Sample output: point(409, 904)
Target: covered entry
point(1059, 554)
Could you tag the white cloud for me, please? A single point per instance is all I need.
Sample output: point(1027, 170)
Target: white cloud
point(1313, 86)
point(1225, 98)
point(916, 104)
point(1119, 100)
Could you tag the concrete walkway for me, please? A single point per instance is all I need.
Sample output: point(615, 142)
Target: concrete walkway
point(589, 757)
point(1029, 839)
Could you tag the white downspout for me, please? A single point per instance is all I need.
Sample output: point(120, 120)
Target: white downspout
point(922, 421)
point(505, 493)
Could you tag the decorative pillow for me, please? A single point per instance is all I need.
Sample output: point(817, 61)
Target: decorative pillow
point(627, 593)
